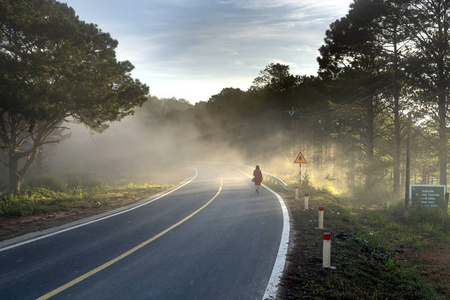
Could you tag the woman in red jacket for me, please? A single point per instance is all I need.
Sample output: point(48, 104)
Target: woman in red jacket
point(257, 175)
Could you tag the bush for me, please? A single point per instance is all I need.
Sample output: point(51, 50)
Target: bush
point(430, 215)
point(306, 183)
point(87, 179)
point(378, 195)
point(41, 193)
point(49, 182)
point(5, 202)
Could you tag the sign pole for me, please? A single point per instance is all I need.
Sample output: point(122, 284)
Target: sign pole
point(300, 159)
point(300, 177)
point(444, 216)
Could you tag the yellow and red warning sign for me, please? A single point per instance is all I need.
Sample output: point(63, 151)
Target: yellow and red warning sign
point(300, 159)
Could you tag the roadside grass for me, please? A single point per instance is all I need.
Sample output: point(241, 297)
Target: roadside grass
point(48, 194)
point(371, 249)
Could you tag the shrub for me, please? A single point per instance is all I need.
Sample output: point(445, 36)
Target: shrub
point(41, 193)
point(376, 196)
point(50, 182)
point(426, 215)
point(87, 179)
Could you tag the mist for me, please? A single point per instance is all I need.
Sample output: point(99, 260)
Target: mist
point(138, 148)
point(165, 136)
point(127, 150)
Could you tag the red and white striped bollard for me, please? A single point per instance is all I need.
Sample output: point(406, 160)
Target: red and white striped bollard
point(306, 201)
point(320, 217)
point(327, 250)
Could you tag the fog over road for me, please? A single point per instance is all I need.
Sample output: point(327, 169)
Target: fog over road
point(213, 238)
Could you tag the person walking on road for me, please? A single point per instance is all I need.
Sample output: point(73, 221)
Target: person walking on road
point(257, 176)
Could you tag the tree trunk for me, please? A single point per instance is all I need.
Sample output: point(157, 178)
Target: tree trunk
point(16, 175)
point(14, 178)
point(397, 129)
point(424, 174)
point(442, 96)
point(351, 172)
point(369, 143)
point(442, 140)
point(40, 162)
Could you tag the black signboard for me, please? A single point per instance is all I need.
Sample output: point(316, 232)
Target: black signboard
point(427, 195)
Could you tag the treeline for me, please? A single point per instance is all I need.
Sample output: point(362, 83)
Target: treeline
point(54, 68)
point(379, 63)
point(255, 123)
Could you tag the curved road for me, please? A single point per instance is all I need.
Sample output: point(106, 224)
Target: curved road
point(212, 238)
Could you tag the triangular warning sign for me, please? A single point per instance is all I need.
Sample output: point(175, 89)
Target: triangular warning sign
point(300, 159)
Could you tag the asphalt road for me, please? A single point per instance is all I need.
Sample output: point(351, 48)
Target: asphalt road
point(213, 238)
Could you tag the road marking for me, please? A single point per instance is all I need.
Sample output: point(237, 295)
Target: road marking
point(120, 257)
point(278, 268)
point(97, 220)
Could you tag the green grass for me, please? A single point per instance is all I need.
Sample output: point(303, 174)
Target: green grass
point(49, 194)
point(385, 273)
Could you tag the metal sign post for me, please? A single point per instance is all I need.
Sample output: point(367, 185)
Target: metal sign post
point(444, 216)
point(300, 176)
point(300, 159)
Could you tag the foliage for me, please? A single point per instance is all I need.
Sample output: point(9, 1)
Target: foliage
point(275, 77)
point(156, 110)
point(87, 180)
point(375, 65)
point(54, 66)
point(50, 182)
point(47, 195)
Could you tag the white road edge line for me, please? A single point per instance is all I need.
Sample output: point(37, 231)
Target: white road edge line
point(99, 219)
point(278, 268)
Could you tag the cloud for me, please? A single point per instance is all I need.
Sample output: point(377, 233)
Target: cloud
point(198, 89)
point(209, 42)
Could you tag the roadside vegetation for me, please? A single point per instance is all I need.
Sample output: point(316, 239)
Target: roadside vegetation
point(85, 190)
point(376, 253)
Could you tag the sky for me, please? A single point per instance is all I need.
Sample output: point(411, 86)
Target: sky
point(192, 49)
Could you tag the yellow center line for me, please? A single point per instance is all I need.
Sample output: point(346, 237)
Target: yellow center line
point(113, 261)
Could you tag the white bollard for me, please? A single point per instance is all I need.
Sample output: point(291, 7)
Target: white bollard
point(326, 250)
point(296, 193)
point(306, 201)
point(320, 217)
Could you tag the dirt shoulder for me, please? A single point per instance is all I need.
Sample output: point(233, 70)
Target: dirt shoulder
point(14, 227)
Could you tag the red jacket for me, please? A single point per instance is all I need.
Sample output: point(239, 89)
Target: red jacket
point(258, 177)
